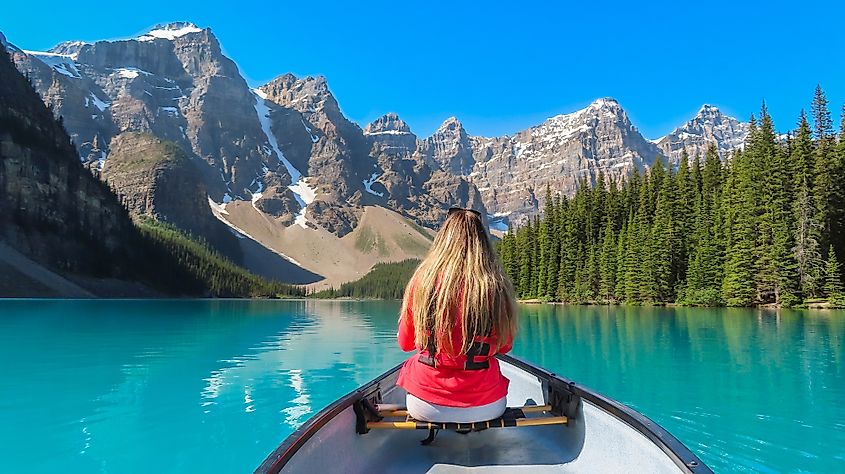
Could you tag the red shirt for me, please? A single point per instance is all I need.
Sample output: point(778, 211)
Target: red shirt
point(452, 380)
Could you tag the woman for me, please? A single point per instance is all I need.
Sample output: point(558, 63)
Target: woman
point(458, 312)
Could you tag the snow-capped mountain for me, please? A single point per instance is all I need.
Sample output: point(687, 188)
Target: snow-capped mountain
point(282, 159)
point(512, 172)
point(709, 126)
point(282, 146)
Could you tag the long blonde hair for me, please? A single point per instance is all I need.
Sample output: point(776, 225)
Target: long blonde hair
point(461, 271)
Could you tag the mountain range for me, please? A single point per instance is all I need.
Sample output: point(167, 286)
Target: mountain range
point(276, 176)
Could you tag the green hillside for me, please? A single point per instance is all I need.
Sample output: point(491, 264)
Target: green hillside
point(384, 281)
point(204, 269)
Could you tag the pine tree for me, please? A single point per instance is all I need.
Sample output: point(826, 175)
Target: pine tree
point(684, 216)
point(546, 240)
point(553, 258)
point(833, 287)
point(621, 262)
point(633, 276)
point(822, 168)
point(607, 263)
point(664, 242)
point(525, 249)
point(837, 218)
point(738, 284)
point(767, 180)
point(806, 251)
point(784, 279)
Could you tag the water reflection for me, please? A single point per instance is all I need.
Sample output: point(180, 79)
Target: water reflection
point(753, 388)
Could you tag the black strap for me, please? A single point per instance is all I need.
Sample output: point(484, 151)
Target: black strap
point(432, 433)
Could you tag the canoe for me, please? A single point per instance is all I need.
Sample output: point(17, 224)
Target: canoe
point(555, 425)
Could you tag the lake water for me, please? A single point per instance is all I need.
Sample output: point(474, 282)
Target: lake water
point(214, 386)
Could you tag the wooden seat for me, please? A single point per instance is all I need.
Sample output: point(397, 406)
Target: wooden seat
point(512, 417)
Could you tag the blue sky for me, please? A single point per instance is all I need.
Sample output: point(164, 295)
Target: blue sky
point(502, 66)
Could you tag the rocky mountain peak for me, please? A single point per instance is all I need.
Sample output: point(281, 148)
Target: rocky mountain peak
point(708, 112)
point(68, 48)
point(709, 126)
point(608, 103)
point(449, 148)
point(708, 109)
point(307, 95)
point(600, 110)
point(607, 107)
point(9, 46)
point(451, 124)
point(389, 124)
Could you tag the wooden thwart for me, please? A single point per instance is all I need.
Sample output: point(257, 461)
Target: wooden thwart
point(512, 417)
point(412, 424)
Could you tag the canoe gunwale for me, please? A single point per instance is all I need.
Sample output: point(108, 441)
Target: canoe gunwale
point(682, 456)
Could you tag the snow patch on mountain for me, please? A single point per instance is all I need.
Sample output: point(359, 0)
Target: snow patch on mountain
point(387, 132)
point(61, 63)
point(303, 193)
point(130, 72)
point(314, 138)
point(368, 185)
point(170, 31)
point(98, 103)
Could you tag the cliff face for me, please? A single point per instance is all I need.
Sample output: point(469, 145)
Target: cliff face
point(155, 178)
point(405, 176)
point(53, 209)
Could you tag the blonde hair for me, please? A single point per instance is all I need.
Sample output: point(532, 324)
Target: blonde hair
point(460, 275)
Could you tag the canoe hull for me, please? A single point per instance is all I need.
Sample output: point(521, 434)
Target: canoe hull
point(603, 436)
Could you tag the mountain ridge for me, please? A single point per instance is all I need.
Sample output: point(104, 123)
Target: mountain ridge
point(286, 149)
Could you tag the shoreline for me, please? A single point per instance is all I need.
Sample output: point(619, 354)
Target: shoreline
point(816, 305)
point(810, 305)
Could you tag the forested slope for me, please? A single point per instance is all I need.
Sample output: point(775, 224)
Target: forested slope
point(766, 226)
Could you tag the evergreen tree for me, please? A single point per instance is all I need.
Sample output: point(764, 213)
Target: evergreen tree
point(553, 232)
point(632, 277)
point(822, 169)
point(607, 263)
point(525, 251)
point(546, 240)
point(738, 285)
point(806, 250)
point(621, 263)
point(837, 218)
point(833, 287)
point(664, 239)
point(684, 216)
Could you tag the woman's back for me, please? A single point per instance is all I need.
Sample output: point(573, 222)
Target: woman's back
point(457, 313)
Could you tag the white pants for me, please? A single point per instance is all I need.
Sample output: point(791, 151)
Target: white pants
point(424, 411)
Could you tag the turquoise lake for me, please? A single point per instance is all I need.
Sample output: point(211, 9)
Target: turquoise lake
point(214, 386)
